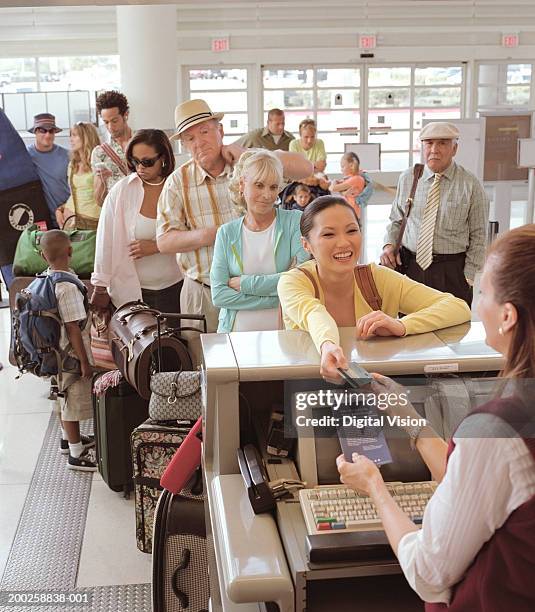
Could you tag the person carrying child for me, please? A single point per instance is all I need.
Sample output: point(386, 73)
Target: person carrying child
point(301, 196)
point(355, 186)
point(75, 388)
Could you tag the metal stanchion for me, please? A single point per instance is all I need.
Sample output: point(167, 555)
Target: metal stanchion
point(494, 228)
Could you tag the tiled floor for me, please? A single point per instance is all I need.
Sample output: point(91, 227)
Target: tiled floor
point(109, 553)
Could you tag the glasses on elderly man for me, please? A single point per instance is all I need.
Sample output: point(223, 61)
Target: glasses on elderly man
point(146, 163)
point(41, 130)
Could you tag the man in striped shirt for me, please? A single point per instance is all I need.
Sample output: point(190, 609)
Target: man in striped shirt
point(444, 242)
point(195, 201)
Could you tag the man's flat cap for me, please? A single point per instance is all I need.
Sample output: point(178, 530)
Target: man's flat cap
point(439, 130)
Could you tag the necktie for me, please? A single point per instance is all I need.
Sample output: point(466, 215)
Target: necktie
point(424, 247)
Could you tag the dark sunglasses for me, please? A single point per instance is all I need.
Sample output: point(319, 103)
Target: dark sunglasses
point(146, 163)
point(41, 130)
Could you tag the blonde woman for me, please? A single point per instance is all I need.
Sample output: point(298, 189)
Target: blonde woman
point(84, 138)
point(251, 252)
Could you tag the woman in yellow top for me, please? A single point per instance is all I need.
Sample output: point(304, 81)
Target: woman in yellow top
point(331, 234)
point(84, 138)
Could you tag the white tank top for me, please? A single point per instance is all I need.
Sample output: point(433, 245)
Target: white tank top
point(156, 271)
point(258, 256)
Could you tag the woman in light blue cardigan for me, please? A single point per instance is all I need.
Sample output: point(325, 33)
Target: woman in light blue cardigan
point(251, 252)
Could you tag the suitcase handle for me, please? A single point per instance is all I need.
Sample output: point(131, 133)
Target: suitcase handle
point(182, 565)
point(137, 307)
point(171, 315)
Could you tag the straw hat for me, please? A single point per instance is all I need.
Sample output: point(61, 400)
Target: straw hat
point(191, 113)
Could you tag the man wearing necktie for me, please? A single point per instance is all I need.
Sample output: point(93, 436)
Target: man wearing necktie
point(444, 241)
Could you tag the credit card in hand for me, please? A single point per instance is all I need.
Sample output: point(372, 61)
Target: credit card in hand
point(356, 376)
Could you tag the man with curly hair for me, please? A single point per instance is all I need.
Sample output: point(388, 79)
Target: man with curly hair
point(108, 160)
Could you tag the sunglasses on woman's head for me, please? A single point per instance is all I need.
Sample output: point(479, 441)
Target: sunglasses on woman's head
point(146, 163)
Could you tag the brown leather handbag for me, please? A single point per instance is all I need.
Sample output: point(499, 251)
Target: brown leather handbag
point(138, 349)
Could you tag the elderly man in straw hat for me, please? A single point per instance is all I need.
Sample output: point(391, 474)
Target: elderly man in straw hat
point(444, 241)
point(195, 201)
point(50, 161)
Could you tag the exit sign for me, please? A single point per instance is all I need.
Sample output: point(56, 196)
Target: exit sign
point(367, 41)
point(220, 44)
point(510, 40)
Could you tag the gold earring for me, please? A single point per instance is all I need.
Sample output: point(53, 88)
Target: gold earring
point(500, 330)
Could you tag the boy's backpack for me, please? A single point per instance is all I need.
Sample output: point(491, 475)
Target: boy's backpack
point(35, 341)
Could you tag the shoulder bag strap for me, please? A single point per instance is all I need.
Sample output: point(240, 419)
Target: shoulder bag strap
point(316, 292)
point(73, 193)
point(416, 174)
point(312, 280)
point(114, 158)
point(367, 286)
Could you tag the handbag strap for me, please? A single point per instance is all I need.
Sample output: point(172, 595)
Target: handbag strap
point(367, 286)
point(114, 158)
point(73, 190)
point(137, 308)
point(175, 386)
point(417, 172)
point(365, 283)
point(66, 220)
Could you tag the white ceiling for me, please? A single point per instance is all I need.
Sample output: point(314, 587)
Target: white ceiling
point(470, 26)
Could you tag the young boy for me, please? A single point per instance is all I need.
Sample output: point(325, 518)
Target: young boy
point(301, 196)
point(75, 388)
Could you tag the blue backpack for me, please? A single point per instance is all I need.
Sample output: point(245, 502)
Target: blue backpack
point(35, 344)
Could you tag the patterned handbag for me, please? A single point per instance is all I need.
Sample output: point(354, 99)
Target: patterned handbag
point(100, 343)
point(175, 396)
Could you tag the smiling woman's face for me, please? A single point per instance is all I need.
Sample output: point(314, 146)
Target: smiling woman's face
point(334, 240)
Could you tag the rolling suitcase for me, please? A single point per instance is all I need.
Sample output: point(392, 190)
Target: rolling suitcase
point(179, 556)
point(153, 446)
point(118, 411)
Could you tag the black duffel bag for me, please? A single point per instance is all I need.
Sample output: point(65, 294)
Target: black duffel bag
point(144, 340)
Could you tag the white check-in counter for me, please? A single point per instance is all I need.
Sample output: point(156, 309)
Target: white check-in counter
point(262, 558)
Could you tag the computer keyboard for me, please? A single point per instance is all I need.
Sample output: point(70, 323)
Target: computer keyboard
point(337, 508)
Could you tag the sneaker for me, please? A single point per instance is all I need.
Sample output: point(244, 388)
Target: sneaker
point(84, 463)
point(87, 441)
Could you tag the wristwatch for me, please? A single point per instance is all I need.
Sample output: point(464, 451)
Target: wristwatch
point(414, 433)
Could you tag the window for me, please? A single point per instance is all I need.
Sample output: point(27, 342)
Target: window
point(18, 75)
point(400, 98)
point(93, 73)
point(63, 86)
point(504, 85)
point(329, 95)
point(224, 90)
point(67, 106)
